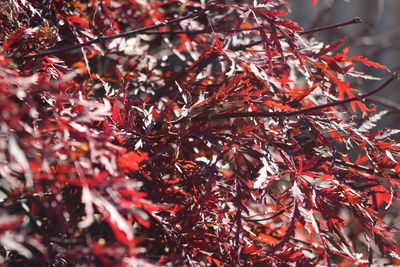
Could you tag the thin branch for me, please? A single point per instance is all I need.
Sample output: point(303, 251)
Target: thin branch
point(354, 166)
point(267, 114)
point(188, 32)
point(101, 39)
point(64, 241)
point(385, 102)
point(358, 167)
point(147, 30)
point(269, 218)
point(356, 20)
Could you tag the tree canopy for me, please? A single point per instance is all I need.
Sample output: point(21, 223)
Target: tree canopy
point(188, 133)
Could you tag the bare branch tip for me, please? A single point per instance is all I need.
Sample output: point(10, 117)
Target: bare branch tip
point(357, 20)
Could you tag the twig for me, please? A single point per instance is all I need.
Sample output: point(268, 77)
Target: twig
point(188, 32)
point(356, 20)
point(101, 39)
point(358, 167)
point(267, 114)
point(354, 166)
point(269, 218)
point(147, 30)
point(385, 102)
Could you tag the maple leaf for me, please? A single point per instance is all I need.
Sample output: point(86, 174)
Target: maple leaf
point(131, 160)
point(188, 133)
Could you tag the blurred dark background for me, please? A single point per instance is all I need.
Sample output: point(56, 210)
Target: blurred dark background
point(377, 38)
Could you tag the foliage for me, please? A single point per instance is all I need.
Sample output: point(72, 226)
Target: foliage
point(212, 134)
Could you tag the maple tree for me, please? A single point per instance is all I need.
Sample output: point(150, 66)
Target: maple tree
point(188, 133)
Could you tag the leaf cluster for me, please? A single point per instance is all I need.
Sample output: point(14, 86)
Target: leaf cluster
point(187, 133)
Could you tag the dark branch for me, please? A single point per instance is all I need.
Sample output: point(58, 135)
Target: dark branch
point(356, 20)
point(354, 166)
point(385, 102)
point(266, 114)
point(147, 30)
point(119, 35)
point(202, 31)
point(269, 218)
